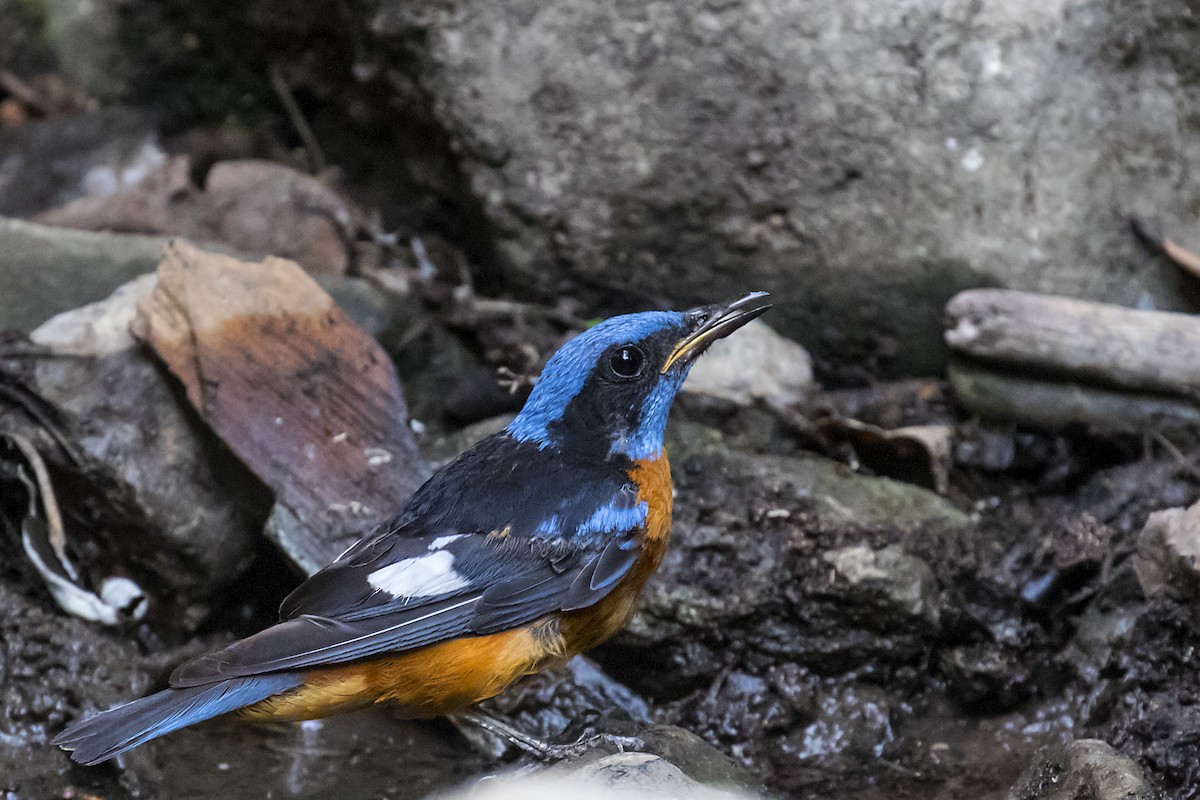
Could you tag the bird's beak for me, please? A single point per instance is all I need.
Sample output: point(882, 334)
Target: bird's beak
point(709, 323)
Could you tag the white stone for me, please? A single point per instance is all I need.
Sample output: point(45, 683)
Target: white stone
point(753, 364)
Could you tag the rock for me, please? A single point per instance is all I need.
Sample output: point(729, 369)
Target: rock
point(784, 570)
point(441, 450)
point(51, 667)
point(986, 676)
point(45, 271)
point(673, 764)
point(46, 163)
point(622, 775)
point(196, 511)
point(640, 775)
point(561, 704)
point(905, 583)
point(254, 207)
point(1084, 768)
point(756, 365)
point(55, 668)
point(861, 165)
point(852, 725)
point(1168, 553)
point(370, 307)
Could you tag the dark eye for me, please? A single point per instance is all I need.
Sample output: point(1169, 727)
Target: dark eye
point(627, 361)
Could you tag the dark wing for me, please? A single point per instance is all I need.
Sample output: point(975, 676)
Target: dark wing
point(412, 586)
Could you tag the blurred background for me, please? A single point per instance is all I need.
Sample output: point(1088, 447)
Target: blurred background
point(947, 548)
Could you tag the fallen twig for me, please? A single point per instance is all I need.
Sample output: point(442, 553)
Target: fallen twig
point(57, 536)
point(1078, 340)
point(315, 154)
point(515, 308)
point(1185, 463)
point(24, 92)
point(1058, 404)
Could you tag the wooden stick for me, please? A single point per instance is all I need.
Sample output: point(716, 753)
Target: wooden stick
point(1078, 339)
point(1055, 404)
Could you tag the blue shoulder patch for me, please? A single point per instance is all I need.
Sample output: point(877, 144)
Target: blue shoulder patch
point(568, 369)
point(615, 517)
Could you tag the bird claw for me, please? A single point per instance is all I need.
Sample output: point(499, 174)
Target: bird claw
point(554, 752)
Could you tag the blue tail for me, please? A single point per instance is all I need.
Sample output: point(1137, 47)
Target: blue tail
point(112, 732)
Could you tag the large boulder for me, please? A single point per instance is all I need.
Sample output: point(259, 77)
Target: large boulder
point(860, 161)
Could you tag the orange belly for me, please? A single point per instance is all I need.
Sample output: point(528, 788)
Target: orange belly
point(425, 682)
point(447, 677)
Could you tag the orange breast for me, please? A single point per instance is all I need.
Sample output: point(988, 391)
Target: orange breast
point(588, 627)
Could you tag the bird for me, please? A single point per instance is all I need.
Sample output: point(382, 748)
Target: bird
point(530, 547)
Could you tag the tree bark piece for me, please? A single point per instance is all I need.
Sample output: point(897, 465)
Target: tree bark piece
point(300, 393)
point(1078, 339)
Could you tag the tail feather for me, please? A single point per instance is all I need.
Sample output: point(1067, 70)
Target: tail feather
point(112, 732)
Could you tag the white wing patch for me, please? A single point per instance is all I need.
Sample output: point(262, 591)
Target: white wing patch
point(442, 541)
point(424, 576)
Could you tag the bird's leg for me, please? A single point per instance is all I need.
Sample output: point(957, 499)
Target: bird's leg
point(498, 727)
point(541, 748)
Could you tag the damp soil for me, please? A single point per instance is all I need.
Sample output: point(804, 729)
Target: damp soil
point(1027, 628)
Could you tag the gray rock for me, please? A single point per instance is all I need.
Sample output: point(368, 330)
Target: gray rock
point(555, 705)
point(1168, 553)
point(1085, 768)
point(907, 583)
point(55, 669)
point(641, 775)
point(197, 510)
point(51, 667)
point(756, 365)
point(615, 777)
point(674, 764)
point(860, 162)
point(852, 725)
point(45, 271)
point(783, 572)
point(441, 450)
point(750, 564)
point(46, 163)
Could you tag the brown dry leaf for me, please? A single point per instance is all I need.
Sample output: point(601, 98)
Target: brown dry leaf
point(917, 454)
point(302, 395)
point(255, 207)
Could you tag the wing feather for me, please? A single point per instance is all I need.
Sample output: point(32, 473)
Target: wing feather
point(382, 595)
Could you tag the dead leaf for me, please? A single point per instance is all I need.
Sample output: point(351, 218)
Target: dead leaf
point(917, 454)
point(302, 395)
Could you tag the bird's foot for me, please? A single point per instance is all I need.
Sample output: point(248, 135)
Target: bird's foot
point(555, 752)
point(540, 747)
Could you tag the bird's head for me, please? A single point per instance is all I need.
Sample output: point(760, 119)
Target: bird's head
point(608, 390)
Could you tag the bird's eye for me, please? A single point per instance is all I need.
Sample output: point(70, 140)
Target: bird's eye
point(627, 361)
